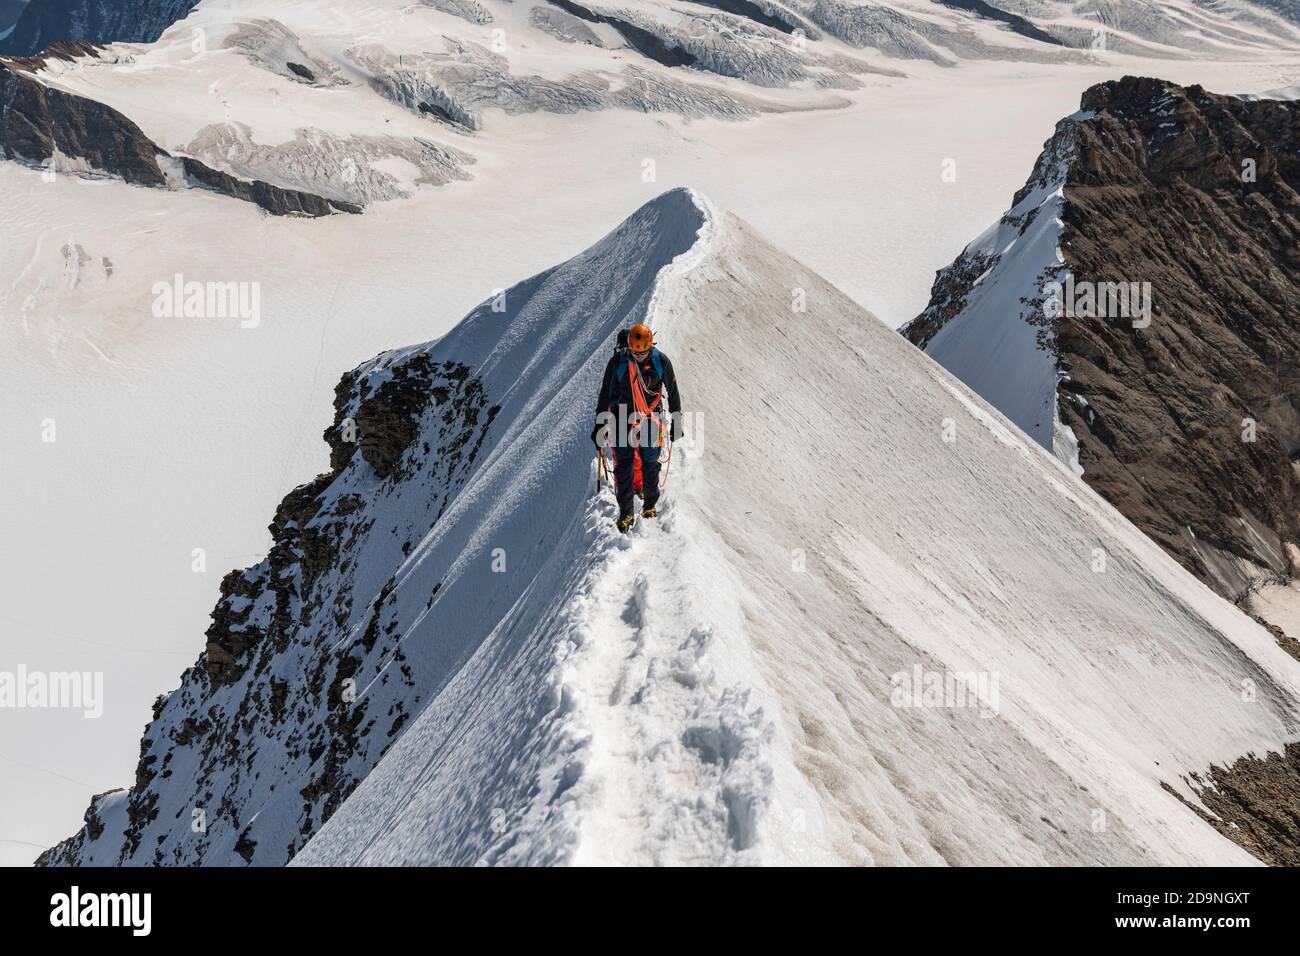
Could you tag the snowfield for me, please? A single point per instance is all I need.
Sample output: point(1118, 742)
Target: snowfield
point(178, 437)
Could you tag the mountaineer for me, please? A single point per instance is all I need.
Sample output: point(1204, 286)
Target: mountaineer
point(628, 418)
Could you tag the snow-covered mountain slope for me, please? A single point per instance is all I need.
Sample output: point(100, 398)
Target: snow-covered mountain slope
point(1141, 296)
point(193, 427)
point(451, 655)
point(439, 456)
point(44, 22)
point(942, 31)
point(363, 105)
point(988, 321)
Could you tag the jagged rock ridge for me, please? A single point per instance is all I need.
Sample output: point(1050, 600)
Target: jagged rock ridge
point(273, 712)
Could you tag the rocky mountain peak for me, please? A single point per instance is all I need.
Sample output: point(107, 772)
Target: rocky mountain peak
point(1179, 249)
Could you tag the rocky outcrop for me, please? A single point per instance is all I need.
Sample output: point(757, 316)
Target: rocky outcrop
point(769, 15)
point(43, 126)
point(1188, 425)
point(1187, 416)
point(352, 170)
point(277, 201)
point(1018, 24)
point(273, 715)
point(638, 38)
point(38, 121)
point(45, 22)
point(1254, 802)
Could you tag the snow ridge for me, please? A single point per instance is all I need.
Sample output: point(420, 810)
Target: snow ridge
point(450, 657)
point(424, 575)
point(679, 751)
point(655, 752)
point(719, 685)
point(990, 317)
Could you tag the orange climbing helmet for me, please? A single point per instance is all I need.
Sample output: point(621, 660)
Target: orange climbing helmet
point(640, 338)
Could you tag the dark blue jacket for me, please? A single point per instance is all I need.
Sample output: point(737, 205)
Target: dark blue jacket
point(656, 374)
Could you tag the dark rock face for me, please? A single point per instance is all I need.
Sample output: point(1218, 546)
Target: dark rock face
point(37, 121)
point(277, 201)
point(1255, 803)
point(45, 22)
point(1159, 193)
point(94, 825)
point(769, 16)
point(270, 716)
point(387, 415)
point(1187, 424)
point(1017, 23)
point(641, 40)
point(948, 295)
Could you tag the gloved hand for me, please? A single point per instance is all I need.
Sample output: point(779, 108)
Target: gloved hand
point(677, 426)
point(595, 434)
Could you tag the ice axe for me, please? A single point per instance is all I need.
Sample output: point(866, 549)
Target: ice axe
point(602, 467)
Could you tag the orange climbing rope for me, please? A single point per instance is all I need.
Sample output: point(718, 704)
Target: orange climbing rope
point(639, 402)
point(647, 409)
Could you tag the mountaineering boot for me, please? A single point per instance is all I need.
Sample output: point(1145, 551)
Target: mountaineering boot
point(648, 511)
point(625, 523)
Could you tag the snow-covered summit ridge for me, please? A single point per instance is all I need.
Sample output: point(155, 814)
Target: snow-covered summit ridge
point(803, 593)
point(989, 318)
point(381, 584)
point(450, 656)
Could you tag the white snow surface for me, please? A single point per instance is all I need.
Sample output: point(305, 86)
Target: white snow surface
point(716, 687)
point(1283, 93)
point(182, 434)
